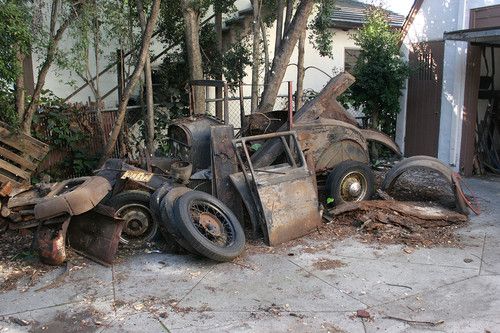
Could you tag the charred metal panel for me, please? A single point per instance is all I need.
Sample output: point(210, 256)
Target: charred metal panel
point(96, 234)
point(284, 194)
point(190, 140)
point(224, 163)
point(331, 142)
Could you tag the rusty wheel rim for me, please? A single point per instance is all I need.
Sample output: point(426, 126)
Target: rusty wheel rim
point(212, 223)
point(138, 224)
point(353, 186)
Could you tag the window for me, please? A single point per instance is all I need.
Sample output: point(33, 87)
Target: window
point(350, 58)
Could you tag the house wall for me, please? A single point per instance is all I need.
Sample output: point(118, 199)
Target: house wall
point(64, 82)
point(431, 21)
point(321, 69)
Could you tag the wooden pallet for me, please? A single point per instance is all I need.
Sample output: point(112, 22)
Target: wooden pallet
point(20, 155)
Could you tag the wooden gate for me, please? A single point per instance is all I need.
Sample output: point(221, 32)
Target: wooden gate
point(424, 99)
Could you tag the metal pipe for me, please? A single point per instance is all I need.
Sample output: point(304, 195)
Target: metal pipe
point(226, 105)
point(290, 109)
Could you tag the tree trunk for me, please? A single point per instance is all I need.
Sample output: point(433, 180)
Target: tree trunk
point(288, 17)
point(97, 90)
point(279, 25)
point(265, 45)
point(55, 38)
point(300, 71)
point(375, 125)
point(20, 91)
point(192, 33)
point(255, 55)
point(150, 115)
point(143, 55)
point(281, 59)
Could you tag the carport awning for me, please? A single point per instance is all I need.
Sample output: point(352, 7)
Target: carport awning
point(485, 36)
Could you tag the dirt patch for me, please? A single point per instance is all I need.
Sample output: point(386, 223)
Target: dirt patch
point(423, 185)
point(87, 320)
point(415, 224)
point(19, 265)
point(387, 226)
point(325, 264)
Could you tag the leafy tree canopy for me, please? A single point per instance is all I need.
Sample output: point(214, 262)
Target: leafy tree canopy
point(380, 71)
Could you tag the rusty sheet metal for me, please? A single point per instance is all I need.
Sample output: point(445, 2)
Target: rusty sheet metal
point(429, 163)
point(324, 105)
point(238, 181)
point(385, 140)
point(331, 142)
point(190, 140)
point(284, 194)
point(74, 197)
point(224, 163)
point(96, 234)
point(50, 244)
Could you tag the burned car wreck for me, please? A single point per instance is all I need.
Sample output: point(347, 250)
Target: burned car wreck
point(215, 189)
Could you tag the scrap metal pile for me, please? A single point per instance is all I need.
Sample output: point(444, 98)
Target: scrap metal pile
point(211, 188)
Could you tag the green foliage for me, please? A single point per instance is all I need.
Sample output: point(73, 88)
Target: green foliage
point(61, 126)
point(8, 113)
point(173, 73)
point(15, 36)
point(101, 23)
point(380, 72)
point(321, 37)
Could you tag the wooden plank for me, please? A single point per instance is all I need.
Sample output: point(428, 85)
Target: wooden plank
point(14, 170)
point(5, 179)
point(23, 162)
point(224, 163)
point(28, 145)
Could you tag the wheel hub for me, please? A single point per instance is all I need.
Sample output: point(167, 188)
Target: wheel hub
point(354, 189)
point(136, 223)
point(211, 224)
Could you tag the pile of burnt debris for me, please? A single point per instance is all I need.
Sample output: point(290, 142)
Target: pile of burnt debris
point(216, 189)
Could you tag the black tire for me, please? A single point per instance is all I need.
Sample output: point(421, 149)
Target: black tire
point(341, 182)
point(171, 244)
point(222, 238)
point(140, 226)
point(167, 217)
point(155, 201)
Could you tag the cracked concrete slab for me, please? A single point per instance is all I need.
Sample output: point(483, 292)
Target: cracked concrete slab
point(470, 305)
point(270, 279)
point(286, 291)
point(81, 281)
point(374, 281)
point(158, 276)
point(262, 321)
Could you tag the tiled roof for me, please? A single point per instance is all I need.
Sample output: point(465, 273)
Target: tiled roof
point(351, 14)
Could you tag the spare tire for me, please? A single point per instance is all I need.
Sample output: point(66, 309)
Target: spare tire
point(167, 217)
point(140, 226)
point(209, 226)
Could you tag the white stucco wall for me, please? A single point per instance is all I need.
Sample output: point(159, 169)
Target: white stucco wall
point(432, 20)
point(58, 81)
point(64, 82)
point(321, 69)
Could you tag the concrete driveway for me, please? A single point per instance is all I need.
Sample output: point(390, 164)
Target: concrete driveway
point(290, 289)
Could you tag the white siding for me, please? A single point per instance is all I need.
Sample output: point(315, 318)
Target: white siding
point(432, 20)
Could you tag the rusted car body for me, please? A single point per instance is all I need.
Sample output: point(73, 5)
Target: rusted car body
point(283, 194)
